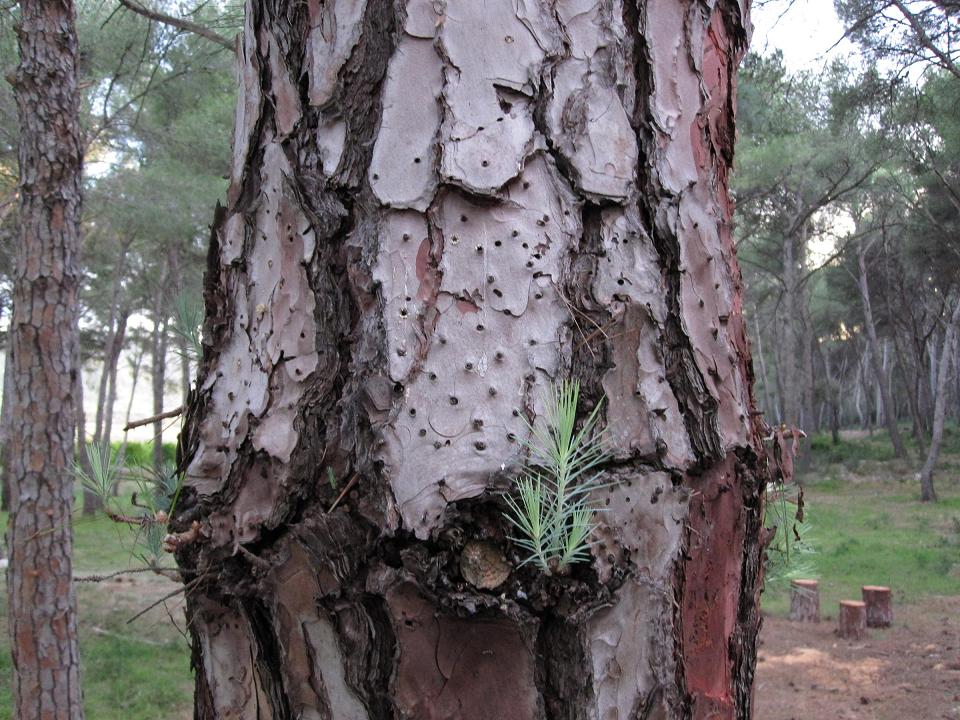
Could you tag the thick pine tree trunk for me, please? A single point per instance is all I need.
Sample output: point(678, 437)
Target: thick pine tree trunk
point(433, 215)
point(42, 604)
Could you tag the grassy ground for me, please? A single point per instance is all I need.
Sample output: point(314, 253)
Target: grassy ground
point(867, 525)
point(869, 528)
point(137, 671)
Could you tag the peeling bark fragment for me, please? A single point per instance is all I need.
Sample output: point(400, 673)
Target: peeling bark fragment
point(272, 344)
point(334, 31)
point(641, 525)
point(689, 156)
point(587, 119)
point(494, 56)
point(313, 664)
point(402, 173)
point(643, 416)
point(710, 603)
point(228, 682)
point(631, 671)
point(451, 668)
point(249, 103)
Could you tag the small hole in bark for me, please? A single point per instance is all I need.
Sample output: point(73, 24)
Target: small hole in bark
point(515, 233)
point(433, 376)
point(413, 412)
point(303, 335)
point(464, 218)
point(516, 413)
point(453, 400)
point(526, 185)
point(539, 296)
point(397, 388)
point(480, 129)
point(498, 356)
point(477, 423)
point(532, 341)
point(443, 340)
point(507, 312)
point(376, 177)
point(497, 243)
point(480, 328)
point(498, 293)
point(620, 281)
point(422, 432)
point(529, 263)
point(479, 249)
point(468, 366)
point(511, 437)
point(525, 246)
point(403, 312)
point(485, 163)
point(437, 444)
point(541, 223)
point(406, 237)
point(401, 352)
point(499, 119)
point(417, 160)
point(492, 392)
point(479, 445)
point(490, 279)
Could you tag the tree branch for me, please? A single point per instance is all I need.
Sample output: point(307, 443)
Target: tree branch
point(179, 23)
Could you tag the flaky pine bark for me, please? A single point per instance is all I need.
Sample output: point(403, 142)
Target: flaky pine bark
point(42, 605)
point(948, 357)
point(876, 364)
point(436, 210)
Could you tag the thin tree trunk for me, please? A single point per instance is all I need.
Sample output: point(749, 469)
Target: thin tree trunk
point(947, 356)
point(789, 362)
point(91, 501)
point(41, 601)
point(764, 378)
point(402, 271)
point(879, 371)
point(113, 345)
point(119, 338)
point(138, 361)
point(158, 373)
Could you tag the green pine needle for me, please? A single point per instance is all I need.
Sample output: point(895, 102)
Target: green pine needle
point(552, 512)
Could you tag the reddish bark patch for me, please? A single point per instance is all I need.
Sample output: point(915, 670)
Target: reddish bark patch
point(711, 589)
point(455, 668)
point(426, 272)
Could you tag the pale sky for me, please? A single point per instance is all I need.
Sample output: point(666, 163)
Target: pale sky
point(803, 29)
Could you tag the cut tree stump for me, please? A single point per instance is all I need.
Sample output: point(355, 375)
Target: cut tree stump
point(852, 620)
point(805, 601)
point(879, 605)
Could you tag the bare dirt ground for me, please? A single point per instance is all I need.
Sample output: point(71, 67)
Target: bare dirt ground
point(908, 672)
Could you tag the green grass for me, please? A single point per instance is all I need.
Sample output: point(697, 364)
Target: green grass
point(137, 671)
point(869, 527)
